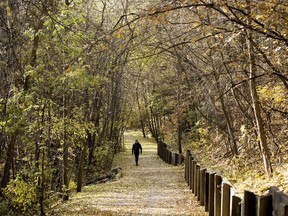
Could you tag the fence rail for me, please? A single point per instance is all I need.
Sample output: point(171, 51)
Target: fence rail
point(169, 157)
point(218, 196)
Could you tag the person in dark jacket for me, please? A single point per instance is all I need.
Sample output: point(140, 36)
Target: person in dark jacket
point(136, 149)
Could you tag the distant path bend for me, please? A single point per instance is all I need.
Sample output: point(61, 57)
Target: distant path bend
point(152, 188)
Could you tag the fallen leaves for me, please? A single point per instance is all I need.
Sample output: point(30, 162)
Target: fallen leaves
point(152, 188)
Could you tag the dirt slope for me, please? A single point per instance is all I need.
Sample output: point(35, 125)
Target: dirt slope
point(152, 188)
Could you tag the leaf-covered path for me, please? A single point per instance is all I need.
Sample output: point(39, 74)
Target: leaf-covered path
point(152, 188)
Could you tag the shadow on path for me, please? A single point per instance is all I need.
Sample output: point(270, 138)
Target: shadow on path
point(152, 188)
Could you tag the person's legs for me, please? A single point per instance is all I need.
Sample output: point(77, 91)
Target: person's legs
point(136, 159)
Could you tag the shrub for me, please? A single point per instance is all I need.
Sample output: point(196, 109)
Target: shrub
point(20, 194)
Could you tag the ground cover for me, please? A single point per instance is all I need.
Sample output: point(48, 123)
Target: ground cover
point(152, 188)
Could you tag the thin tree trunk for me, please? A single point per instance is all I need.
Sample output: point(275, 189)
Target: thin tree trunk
point(65, 153)
point(42, 188)
point(233, 144)
point(9, 161)
point(140, 113)
point(81, 169)
point(41, 178)
point(179, 69)
point(257, 109)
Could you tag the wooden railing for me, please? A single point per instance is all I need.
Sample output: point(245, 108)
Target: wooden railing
point(169, 157)
point(218, 198)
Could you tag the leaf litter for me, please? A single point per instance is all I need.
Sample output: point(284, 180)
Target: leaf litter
point(152, 188)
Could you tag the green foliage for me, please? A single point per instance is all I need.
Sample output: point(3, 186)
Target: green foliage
point(22, 195)
point(101, 163)
point(71, 188)
point(5, 208)
point(65, 75)
point(100, 156)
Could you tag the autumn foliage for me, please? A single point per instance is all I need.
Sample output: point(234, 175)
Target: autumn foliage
point(74, 75)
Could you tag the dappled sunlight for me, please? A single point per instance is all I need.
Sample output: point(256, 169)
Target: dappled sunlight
point(152, 188)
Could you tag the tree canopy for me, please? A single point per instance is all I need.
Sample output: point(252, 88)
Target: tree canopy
point(76, 74)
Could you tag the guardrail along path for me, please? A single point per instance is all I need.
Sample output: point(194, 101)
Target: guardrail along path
point(152, 188)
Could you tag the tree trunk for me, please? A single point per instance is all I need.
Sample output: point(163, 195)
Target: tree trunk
point(81, 169)
point(140, 113)
point(257, 109)
point(179, 69)
point(9, 161)
point(42, 186)
point(65, 167)
point(65, 154)
point(233, 144)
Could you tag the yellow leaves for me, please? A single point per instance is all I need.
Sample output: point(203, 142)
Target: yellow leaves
point(196, 24)
point(120, 197)
point(225, 10)
point(273, 96)
point(120, 34)
point(194, 39)
point(9, 12)
point(276, 94)
point(72, 186)
point(21, 194)
point(158, 14)
point(8, 8)
point(161, 18)
point(261, 17)
point(243, 129)
point(220, 36)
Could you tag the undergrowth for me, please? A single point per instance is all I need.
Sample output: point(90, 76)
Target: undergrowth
point(244, 171)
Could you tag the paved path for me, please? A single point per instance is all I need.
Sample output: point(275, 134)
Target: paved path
point(152, 188)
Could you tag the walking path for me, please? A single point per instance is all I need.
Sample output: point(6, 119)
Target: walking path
point(152, 188)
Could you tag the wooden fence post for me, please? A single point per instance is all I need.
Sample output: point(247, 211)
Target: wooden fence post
point(235, 206)
point(181, 159)
point(159, 149)
point(163, 151)
point(217, 195)
point(211, 194)
point(225, 199)
point(198, 182)
point(202, 186)
point(195, 179)
point(191, 170)
point(279, 202)
point(176, 159)
point(187, 168)
point(249, 206)
point(264, 205)
point(188, 154)
point(167, 155)
point(192, 175)
point(206, 194)
point(283, 209)
point(172, 158)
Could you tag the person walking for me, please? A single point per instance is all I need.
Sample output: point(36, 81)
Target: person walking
point(136, 149)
